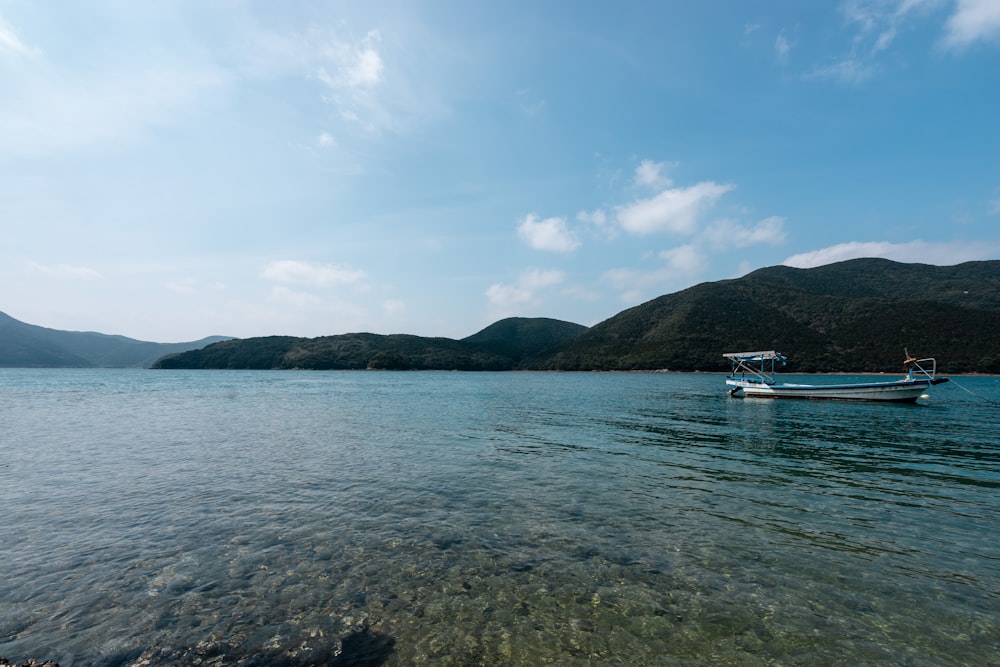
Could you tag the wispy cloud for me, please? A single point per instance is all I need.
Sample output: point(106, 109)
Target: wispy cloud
point(351, 64)
point(283, 295)
point(852, 70)
point(973, 21)
point(674, 210)
point(596, 217)
point(306, 273)
point(650, 174)
point(11, 42)
point(549, 234)
point(192, 285)
point(782, 47)
point(878, 23)
point(67, 271)
point(528, 104)
point(729, 233)
point(913, 251)
point(598, 222)
point(55, 111)
point(875, 26)
point(506, 300)
point(678, 266)
point(393, 307)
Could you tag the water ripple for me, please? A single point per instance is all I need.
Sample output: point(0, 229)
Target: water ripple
point(450, 518)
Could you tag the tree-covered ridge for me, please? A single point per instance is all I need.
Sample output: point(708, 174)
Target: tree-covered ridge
point(499, 347)
point(30, 346)
point(857, 315)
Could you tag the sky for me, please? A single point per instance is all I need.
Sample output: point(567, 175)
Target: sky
point(173, 170)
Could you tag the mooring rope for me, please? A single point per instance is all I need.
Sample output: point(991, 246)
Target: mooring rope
point(972, 393)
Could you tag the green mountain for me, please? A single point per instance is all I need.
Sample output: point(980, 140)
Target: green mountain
point(499, 347)
point(28, 345)
point(519, 337)
point(857, 315)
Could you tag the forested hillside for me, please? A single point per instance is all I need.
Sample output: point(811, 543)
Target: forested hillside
point(858, 315)
point(31, 346)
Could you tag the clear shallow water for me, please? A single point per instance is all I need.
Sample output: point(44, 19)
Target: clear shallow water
point(352, 518)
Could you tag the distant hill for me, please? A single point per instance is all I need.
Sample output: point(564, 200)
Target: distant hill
point(28, 345)
point(857, 315)
point(501, 346)
point(522, 337)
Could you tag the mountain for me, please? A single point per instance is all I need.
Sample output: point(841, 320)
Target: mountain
point(521, 337)
point(501, 346)
point(857, 315)
point(28, 345)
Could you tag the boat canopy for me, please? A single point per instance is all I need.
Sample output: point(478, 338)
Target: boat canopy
point(769, 355)
point(753, 366)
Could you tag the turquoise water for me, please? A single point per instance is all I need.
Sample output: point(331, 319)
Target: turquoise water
point(379, 518)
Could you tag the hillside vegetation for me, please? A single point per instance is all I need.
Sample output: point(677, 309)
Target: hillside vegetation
point(499, 347)
point(857, 315)
point(30, 346)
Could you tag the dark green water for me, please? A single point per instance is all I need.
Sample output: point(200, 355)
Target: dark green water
point(350, 518)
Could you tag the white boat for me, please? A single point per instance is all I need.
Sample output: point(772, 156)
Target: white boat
point(752, 376)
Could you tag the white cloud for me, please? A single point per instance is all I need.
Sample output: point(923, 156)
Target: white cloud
point(680, 264)
point(9, 41)
point(326, 140)
point(352, 65)
point(674, 210)
point(973, 20)
point(941, 254)
point(876, 25)
point(650, 174)
point(285, 296)
point(728, 233)
point(782, 47)
point(506, 298)
point(598, 222)
point(685, 259)
point(538, 278)
point(67, 271)
point(549, 234)
point(317, 275)
point(596, 217)
point(849, 71)
point(393, 307)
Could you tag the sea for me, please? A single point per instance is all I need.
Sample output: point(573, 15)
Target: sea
point(445, 518)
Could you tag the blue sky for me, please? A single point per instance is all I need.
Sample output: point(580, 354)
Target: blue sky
point(171, 170)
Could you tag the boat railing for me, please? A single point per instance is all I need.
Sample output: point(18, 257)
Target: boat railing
point(926, 366)
point(757, 367)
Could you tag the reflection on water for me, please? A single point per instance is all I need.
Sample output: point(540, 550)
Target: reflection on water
point(448, 518)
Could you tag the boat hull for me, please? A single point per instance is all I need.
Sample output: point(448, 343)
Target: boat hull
point(901, 391)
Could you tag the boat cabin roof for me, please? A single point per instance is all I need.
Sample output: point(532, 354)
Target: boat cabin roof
point(755, 356)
